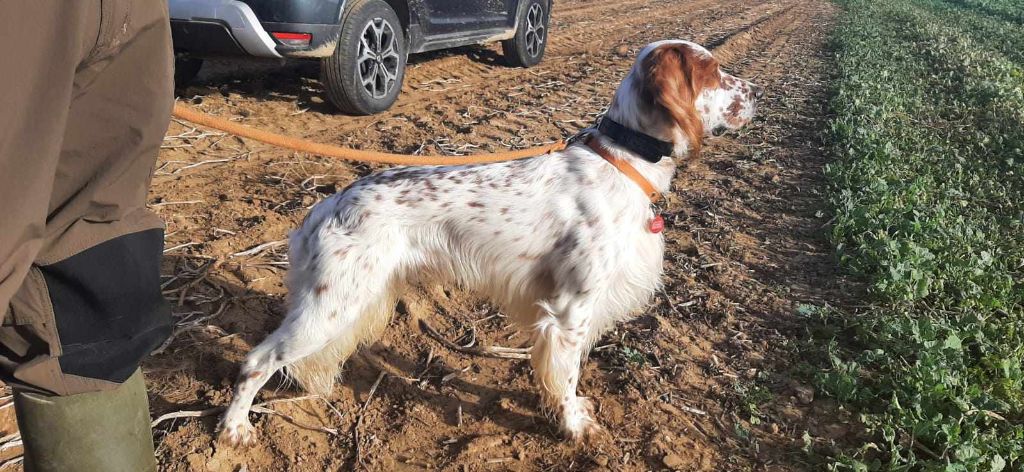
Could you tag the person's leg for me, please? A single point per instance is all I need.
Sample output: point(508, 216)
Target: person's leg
point(90, 307)
point(45, 42)
point(98, 431)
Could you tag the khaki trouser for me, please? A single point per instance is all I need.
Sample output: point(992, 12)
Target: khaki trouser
point(85, 98)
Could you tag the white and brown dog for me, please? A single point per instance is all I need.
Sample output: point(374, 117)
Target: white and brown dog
point(565, 243)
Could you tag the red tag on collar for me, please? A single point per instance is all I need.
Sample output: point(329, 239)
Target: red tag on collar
point(657, 224)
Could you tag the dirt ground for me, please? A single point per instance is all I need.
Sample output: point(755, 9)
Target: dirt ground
point(702, 381)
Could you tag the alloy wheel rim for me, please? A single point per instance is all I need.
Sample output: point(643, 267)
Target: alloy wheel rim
point(377, 63)
point(535, 30)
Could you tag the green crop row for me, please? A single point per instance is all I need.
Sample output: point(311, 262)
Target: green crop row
point(927, 187)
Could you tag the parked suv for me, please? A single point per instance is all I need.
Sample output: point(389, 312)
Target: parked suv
point(363, 44)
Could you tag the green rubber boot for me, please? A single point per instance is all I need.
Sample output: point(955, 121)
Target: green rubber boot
point(90, 432)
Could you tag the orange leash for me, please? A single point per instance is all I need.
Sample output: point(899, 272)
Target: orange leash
point(625, 167)
point(657, 223)
point(297, 144)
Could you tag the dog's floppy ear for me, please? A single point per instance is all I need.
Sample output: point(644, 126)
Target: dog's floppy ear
point(674, 75)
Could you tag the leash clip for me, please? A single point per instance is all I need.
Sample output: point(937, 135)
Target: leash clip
point(581, 136)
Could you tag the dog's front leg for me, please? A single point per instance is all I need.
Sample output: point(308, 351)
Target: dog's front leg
point(558, 350)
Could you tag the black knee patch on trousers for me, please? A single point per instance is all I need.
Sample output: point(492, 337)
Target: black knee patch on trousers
point(109, 310)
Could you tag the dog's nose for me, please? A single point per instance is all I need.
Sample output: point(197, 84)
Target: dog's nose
point(758, 92)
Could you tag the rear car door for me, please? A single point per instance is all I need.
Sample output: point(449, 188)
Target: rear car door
point(464, 17)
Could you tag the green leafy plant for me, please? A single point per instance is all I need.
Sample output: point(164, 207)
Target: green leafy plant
point(628, 355)
point(927, 187)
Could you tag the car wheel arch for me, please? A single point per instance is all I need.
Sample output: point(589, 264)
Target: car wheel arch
point(401, 8)
point(521, 7)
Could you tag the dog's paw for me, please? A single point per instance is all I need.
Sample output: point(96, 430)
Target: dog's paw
point(587, 431)
point(235, 434)
point(578, 423)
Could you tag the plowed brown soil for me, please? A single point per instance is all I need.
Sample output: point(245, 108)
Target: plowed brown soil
point(702, 381)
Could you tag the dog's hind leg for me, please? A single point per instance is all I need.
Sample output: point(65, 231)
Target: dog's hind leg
point(331, 313)
point(560, 343)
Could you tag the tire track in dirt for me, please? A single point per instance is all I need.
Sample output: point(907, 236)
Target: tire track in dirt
point(738, 47)
point(731, 20)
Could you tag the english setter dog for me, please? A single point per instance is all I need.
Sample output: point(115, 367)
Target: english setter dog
point(567, 243)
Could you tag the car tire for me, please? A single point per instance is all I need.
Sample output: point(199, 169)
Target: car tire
point(185, 69)
point(526, 48)
point(364, 74)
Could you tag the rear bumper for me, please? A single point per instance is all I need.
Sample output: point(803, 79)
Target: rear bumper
point(217, 27)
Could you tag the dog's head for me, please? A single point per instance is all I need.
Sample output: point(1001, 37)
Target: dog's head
point(677, 92)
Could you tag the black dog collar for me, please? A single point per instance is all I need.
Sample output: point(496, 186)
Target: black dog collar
point(651, 149)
